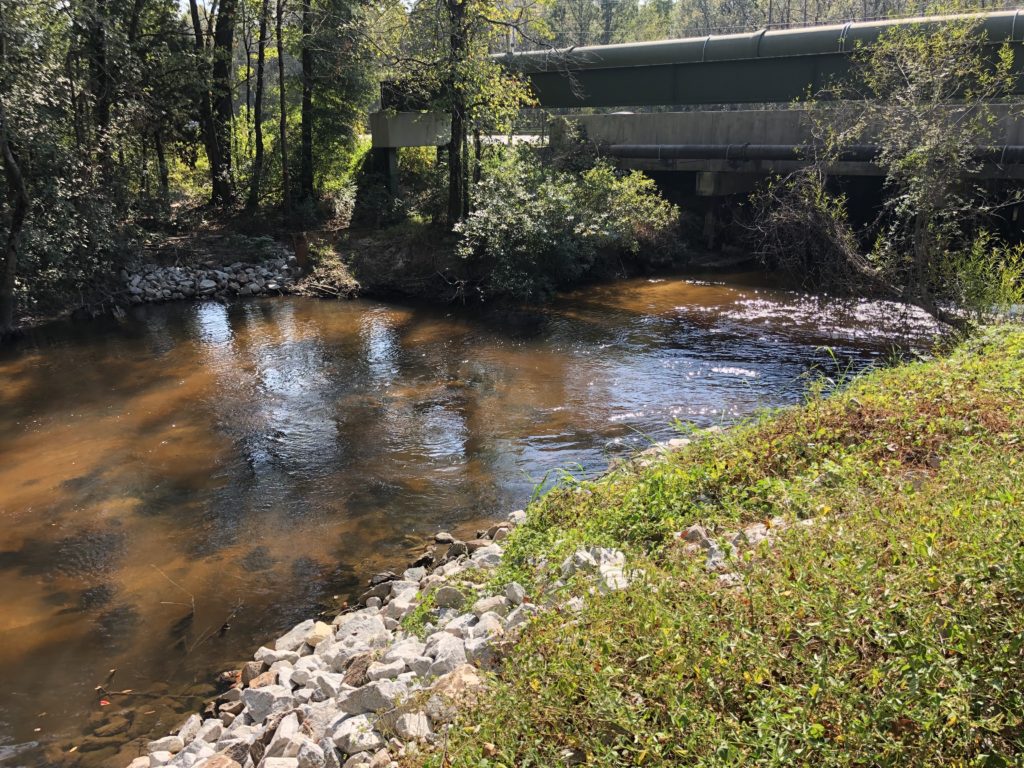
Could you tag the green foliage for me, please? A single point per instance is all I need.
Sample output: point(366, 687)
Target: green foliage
point(535, 229)
point(987, 278)
point(80, 144)
point(887, 633)
point(923, 96)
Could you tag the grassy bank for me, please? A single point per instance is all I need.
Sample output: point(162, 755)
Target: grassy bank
point(889, 632)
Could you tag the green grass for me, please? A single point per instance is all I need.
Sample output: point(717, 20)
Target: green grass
point(888, 633)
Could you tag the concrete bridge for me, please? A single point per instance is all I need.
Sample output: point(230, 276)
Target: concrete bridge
point(726, 149)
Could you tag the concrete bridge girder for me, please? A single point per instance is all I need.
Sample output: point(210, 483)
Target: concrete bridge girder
point(766, 66)
point(658, 141)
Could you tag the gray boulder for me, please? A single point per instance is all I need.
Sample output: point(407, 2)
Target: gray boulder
point(373, 697)
point(356, 734)
point(262, 702)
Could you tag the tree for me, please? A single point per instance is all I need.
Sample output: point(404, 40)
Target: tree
point(17, 204)
point(924, 97)
point(286, 192)
point(446, 59)
point(306, 191)
point(257, 165)
point(223, 101)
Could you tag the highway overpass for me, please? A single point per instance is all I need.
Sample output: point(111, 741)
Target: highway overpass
point(728, 148)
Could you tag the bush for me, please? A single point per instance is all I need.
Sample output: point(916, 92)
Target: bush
point(535, 230)
point(802, 230)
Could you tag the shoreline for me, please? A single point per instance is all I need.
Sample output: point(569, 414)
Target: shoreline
point(368, 683)
point(385, 679)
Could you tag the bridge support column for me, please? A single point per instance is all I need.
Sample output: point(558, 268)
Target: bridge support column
point(385, 162)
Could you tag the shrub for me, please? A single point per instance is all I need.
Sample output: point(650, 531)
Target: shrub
point(534, 229)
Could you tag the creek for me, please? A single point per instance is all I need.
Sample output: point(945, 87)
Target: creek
point(180, 486)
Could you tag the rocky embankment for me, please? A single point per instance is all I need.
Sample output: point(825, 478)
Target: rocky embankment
point(149, 283)
point(383, 681)
point(380, 681)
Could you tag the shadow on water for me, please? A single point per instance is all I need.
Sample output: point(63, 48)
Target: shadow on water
point(179, 487)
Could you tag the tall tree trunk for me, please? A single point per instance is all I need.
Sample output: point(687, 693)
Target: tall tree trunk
point(257, 164)
point(99, 70)
point(205, 108)
point(478, 153)
point(286, 188)
point(18, 202)
point(161, 166)
point(457, 142)
point(306, 161)
point(223, 107)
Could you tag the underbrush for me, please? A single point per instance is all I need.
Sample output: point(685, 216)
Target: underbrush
point(535, 229)
point(885, 629)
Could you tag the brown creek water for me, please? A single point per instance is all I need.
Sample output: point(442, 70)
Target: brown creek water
point(197, 465)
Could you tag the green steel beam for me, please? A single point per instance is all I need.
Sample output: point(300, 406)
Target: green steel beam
point(763, 66)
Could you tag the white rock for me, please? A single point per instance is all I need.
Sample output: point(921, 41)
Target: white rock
point(449, 597)
point(401, 585)
point(612, 578)
point(609, 557)
point(515, 593)
point(311, 755)
point(261, 702)
point(331, 683)
point(480, 651)
point(160, 758)
point(191, 727)
point(270, 656)
point(419, 666)
point(518, 517)
point(448, 654)
point(172, 744)
point(409, 648)
point(295, 637)
point(358, 760)
point(279, 762)
point(285, 742)
point(696, 534)
point(210, 731)
point(490, 625)
point(139, 762)
point(401, 603)
point(412, 726)
point(414, 574)
point(494, 604)
point(373, 697)
point(363, 628)
point(580, 560)
point(488, 557)
point(520, 616)
point(574, 604)
point(752, 535)
point(306, 667)
point(460, 625)
point(389, 671)
point(356, 734)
